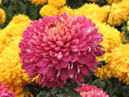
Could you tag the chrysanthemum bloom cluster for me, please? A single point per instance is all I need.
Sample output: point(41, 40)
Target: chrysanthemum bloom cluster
point(119, 13)
point(117, 64)
point(91, 11)
point(12, 75)
point(38, 2)
point(53, 7)
point(5, 92)
point(111, 38)
point(60, 47)
point(16, 27)
point(2, 16)
point(91, 91)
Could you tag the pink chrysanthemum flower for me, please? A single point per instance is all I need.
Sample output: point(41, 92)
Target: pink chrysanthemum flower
point(4, 92)
point(60, 47)
point(91, 91)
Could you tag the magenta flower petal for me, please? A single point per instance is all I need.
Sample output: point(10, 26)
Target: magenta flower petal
point(85, 71)
point(60, 47)
point(42, 63)
point(43, 69)
point(64, 74)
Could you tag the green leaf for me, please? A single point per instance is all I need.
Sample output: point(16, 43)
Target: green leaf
point(108, 85)
point(42, 94)
point(99, 83)
point(62, 95)
point(127, 35)
point(114, 96)
point(124, 28)
point(53, 91)
point(74, 94)
point(22, 7)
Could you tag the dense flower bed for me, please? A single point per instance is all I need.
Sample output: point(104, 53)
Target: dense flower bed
point(64, 48)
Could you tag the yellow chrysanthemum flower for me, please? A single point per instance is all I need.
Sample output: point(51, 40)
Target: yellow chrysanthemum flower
point(118, 63)
point(103, 72)
point(13, 75)
point(48, 10)
point(20, 18)
point(91, 11)
point(119, 13)
point(13, 30)
point(111, 36)
point(37, 2)
point(0, 1)
point(57, 3)
point(128, 25)
point(128, 22)
point(114, 1)
point(0, 30)
point(2, 16)
point(10, 67)
point(67, 10)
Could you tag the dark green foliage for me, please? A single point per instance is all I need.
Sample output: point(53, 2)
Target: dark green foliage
point(124, 28)
point(112, 86)
point(14, 7)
